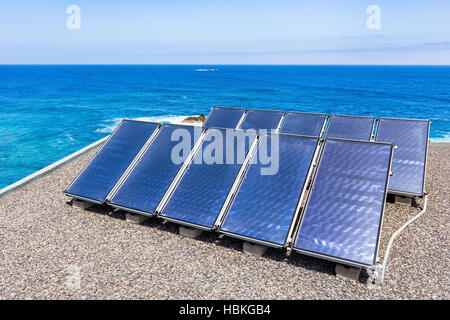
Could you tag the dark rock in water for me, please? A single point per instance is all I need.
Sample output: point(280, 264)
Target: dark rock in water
point(200, 118)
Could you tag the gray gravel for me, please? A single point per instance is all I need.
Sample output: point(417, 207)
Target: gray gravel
point(45, 242)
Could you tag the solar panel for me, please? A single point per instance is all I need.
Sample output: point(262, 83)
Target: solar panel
point(350, 127)
point(224, 117)
point(266, 204)
point(261, 120)
point(343, 215)
point(408, 165)
point(306, 124)
point(101, 174)
point(147, 183)
point(202, 191)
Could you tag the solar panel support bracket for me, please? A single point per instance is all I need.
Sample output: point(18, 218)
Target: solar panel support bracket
point(288, 251)
point(189, 232)
point(136, 218)
point(405, 201)
point(253, 248)
point(347, 272)
point(81, 204)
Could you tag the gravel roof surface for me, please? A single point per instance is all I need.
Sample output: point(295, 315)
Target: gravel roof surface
point(45, 243)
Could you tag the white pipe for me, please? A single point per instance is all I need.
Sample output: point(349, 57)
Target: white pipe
point(396, 233)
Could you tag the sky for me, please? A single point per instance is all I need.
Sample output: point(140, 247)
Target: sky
point(211, 32)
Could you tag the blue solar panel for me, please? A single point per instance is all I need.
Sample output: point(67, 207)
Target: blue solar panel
point(265, 205)
point(224, 117)
point(348, 127)
point(204, 187)
point(306, 124)
point(109, 164)
point(408, 165)
point(343, 216)
point(261, 120)
point(146, 184)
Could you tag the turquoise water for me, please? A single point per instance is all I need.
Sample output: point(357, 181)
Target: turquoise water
point(48, 112)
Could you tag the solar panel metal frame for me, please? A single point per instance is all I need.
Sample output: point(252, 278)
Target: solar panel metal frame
point(220, 107)
point(172, 187)
point(237, 183)
point(411, 194)
point(241, 120)
point(149, 140)
point(277, 129)
point(144, 213)
point(297, 208)
point(325, 134)
point(312, 113)
point(246, 113)
point(296, 231)
point(169, 192)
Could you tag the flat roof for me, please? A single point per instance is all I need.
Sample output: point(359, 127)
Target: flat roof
point(43, 239)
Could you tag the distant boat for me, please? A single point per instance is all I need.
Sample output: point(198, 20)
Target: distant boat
point(207, 69)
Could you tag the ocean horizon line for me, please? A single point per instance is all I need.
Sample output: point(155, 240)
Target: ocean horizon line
point(224, 64)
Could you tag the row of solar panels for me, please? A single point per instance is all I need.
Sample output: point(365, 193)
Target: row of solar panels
point(410, 135)
point(340, 221)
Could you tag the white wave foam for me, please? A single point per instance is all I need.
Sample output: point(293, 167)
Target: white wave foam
point(206, 70)
point(111, 124)
point(445, 138)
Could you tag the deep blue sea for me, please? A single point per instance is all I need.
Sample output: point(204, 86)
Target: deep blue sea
point(48, 112)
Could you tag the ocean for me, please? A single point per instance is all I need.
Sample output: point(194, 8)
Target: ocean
point(48, 112)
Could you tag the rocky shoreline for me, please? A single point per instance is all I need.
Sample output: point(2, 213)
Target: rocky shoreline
point(195, 119)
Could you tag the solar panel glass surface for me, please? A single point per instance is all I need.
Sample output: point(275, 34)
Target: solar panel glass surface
point(342, 219)
point(204, 187)
point(224, 117)
point(307, 124)
point(148, 181)
point(109, 164)
point(261, 120)
point(348, 127)
point(266, 203)
point(408, 164)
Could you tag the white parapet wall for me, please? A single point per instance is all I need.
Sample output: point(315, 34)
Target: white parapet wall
point(50, 168)
point(53, 166)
